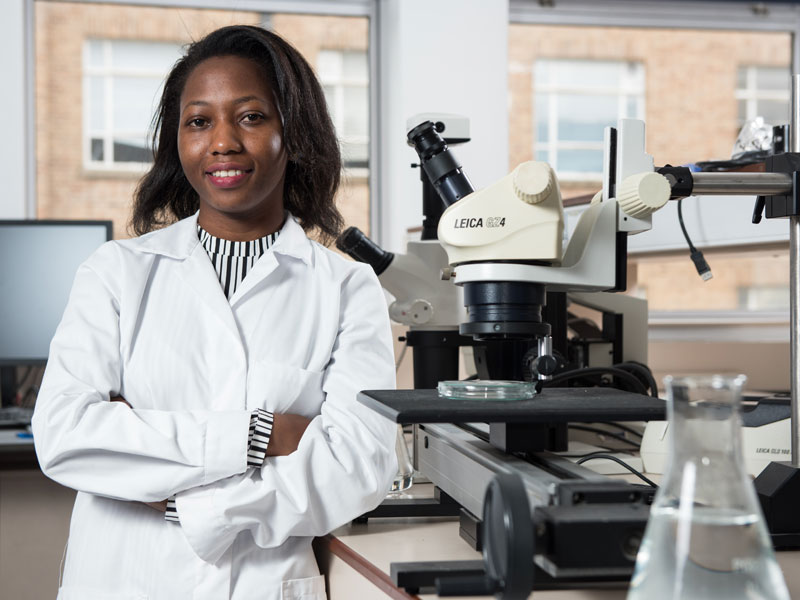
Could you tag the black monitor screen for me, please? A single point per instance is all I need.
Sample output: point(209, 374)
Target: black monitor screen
point(38, 261)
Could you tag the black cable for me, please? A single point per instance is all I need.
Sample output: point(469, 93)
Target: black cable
point(683, 226)
point(643, 371)
point(596, 452)
point(630, 430)
point(621, 374)
point(640, 475)
point(598, 430)
point(696, 255)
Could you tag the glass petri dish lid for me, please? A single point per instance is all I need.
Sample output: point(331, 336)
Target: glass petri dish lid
point(487, 389)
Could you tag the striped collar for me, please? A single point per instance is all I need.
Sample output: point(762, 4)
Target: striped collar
point(180, 239)
point(216, 245)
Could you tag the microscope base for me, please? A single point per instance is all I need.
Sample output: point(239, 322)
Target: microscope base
point(778, 488)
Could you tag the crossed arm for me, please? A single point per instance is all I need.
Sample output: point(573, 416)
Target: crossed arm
point(286, 433)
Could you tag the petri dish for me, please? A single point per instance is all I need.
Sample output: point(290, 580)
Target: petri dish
point(486, 389)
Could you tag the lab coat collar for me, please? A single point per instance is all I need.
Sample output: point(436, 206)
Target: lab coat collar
point(293, 241)
point(180, 239)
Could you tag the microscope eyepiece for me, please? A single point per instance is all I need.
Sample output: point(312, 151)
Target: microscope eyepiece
point(357, 245)
point(426, 140)
point(439, 164)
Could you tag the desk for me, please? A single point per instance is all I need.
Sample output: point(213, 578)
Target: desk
point(356, 558)
point(16, 450)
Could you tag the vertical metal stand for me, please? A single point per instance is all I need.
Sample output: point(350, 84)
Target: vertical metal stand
point(794, 333)
point(794, 284)
point(778, 485)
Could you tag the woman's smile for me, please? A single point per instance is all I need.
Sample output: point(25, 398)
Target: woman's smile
point(227, 175)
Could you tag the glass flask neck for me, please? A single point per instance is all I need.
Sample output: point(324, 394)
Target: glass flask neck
point(705, 449)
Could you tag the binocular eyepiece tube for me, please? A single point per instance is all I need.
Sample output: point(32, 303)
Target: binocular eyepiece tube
point(439, 163)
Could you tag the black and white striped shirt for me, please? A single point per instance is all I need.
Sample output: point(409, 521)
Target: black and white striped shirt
point(233, 261)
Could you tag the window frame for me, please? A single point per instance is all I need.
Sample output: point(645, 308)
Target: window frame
point(623, 93)
point(751, 93)
point(338, 110)
point(106, 74)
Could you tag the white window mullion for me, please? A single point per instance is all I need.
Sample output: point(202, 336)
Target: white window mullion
point(108, 110)
point(331, 71)
point(753, 96)
point(101, 77)
point(617, 84)
point(552, 130)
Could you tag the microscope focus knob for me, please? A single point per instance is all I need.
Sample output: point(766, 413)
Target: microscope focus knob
point(644, 193)
point(533, 181)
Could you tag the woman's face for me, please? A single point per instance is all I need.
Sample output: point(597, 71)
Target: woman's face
point(230, 143)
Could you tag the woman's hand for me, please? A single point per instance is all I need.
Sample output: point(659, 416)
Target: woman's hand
point(120, 399)
point(286, 433)
point(159, 506)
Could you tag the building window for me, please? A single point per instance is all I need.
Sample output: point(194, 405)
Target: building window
point(345, 79)
point(763, 92)
point(122, 82)
point(574, 100)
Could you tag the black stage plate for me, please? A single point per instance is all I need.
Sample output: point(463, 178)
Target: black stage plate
point(553, 405)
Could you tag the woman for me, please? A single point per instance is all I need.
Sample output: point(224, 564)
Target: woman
point(211, 367)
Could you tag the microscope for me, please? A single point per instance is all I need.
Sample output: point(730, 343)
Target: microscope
point(504, 242)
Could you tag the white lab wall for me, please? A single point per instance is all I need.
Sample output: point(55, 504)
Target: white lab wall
point(447, 56)
point(711, 221)
point(14, 149)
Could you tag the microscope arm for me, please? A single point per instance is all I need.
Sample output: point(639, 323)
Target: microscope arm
point(422, 298)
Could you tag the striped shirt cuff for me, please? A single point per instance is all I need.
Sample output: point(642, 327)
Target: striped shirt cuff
point(171, 514)
point(260, 432)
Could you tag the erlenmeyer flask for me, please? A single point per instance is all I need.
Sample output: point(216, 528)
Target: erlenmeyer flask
point(405, 470)
point(706, 537)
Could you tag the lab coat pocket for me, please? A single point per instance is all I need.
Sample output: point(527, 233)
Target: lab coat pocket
point(283, 388)
point(81, 593)
point(309, 588)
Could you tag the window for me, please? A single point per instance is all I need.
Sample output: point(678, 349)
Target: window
point(574, 100)
point(345, 79)
point(121, 86)
point(763, 92)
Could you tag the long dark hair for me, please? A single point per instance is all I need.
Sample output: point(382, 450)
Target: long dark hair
point(314, 166)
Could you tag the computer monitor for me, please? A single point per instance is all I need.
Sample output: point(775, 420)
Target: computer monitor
point(38, 261)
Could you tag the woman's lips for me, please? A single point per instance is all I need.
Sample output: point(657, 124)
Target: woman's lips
point(227, 179)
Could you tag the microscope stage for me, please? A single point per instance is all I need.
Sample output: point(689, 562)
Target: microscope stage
point(552, 405)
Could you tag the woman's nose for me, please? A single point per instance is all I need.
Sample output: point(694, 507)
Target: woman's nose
point(225, 139)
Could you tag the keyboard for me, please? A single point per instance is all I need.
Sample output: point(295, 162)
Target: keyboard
point(15, 416)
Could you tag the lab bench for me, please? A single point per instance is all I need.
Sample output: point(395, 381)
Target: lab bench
point(356, 558)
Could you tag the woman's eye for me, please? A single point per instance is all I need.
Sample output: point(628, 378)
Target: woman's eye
point(196, 122)
point(252, 117)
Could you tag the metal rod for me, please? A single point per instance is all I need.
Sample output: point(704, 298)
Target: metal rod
point(794, 284)
point(741, 184)
point(794, 333)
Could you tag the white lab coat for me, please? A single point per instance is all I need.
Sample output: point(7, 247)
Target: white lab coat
point(147, 319)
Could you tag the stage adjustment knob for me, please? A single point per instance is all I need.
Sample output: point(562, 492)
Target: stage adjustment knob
point(533, 181)
point(644, 193)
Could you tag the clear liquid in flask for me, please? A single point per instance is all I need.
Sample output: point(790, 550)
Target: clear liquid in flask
point(713, 554)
